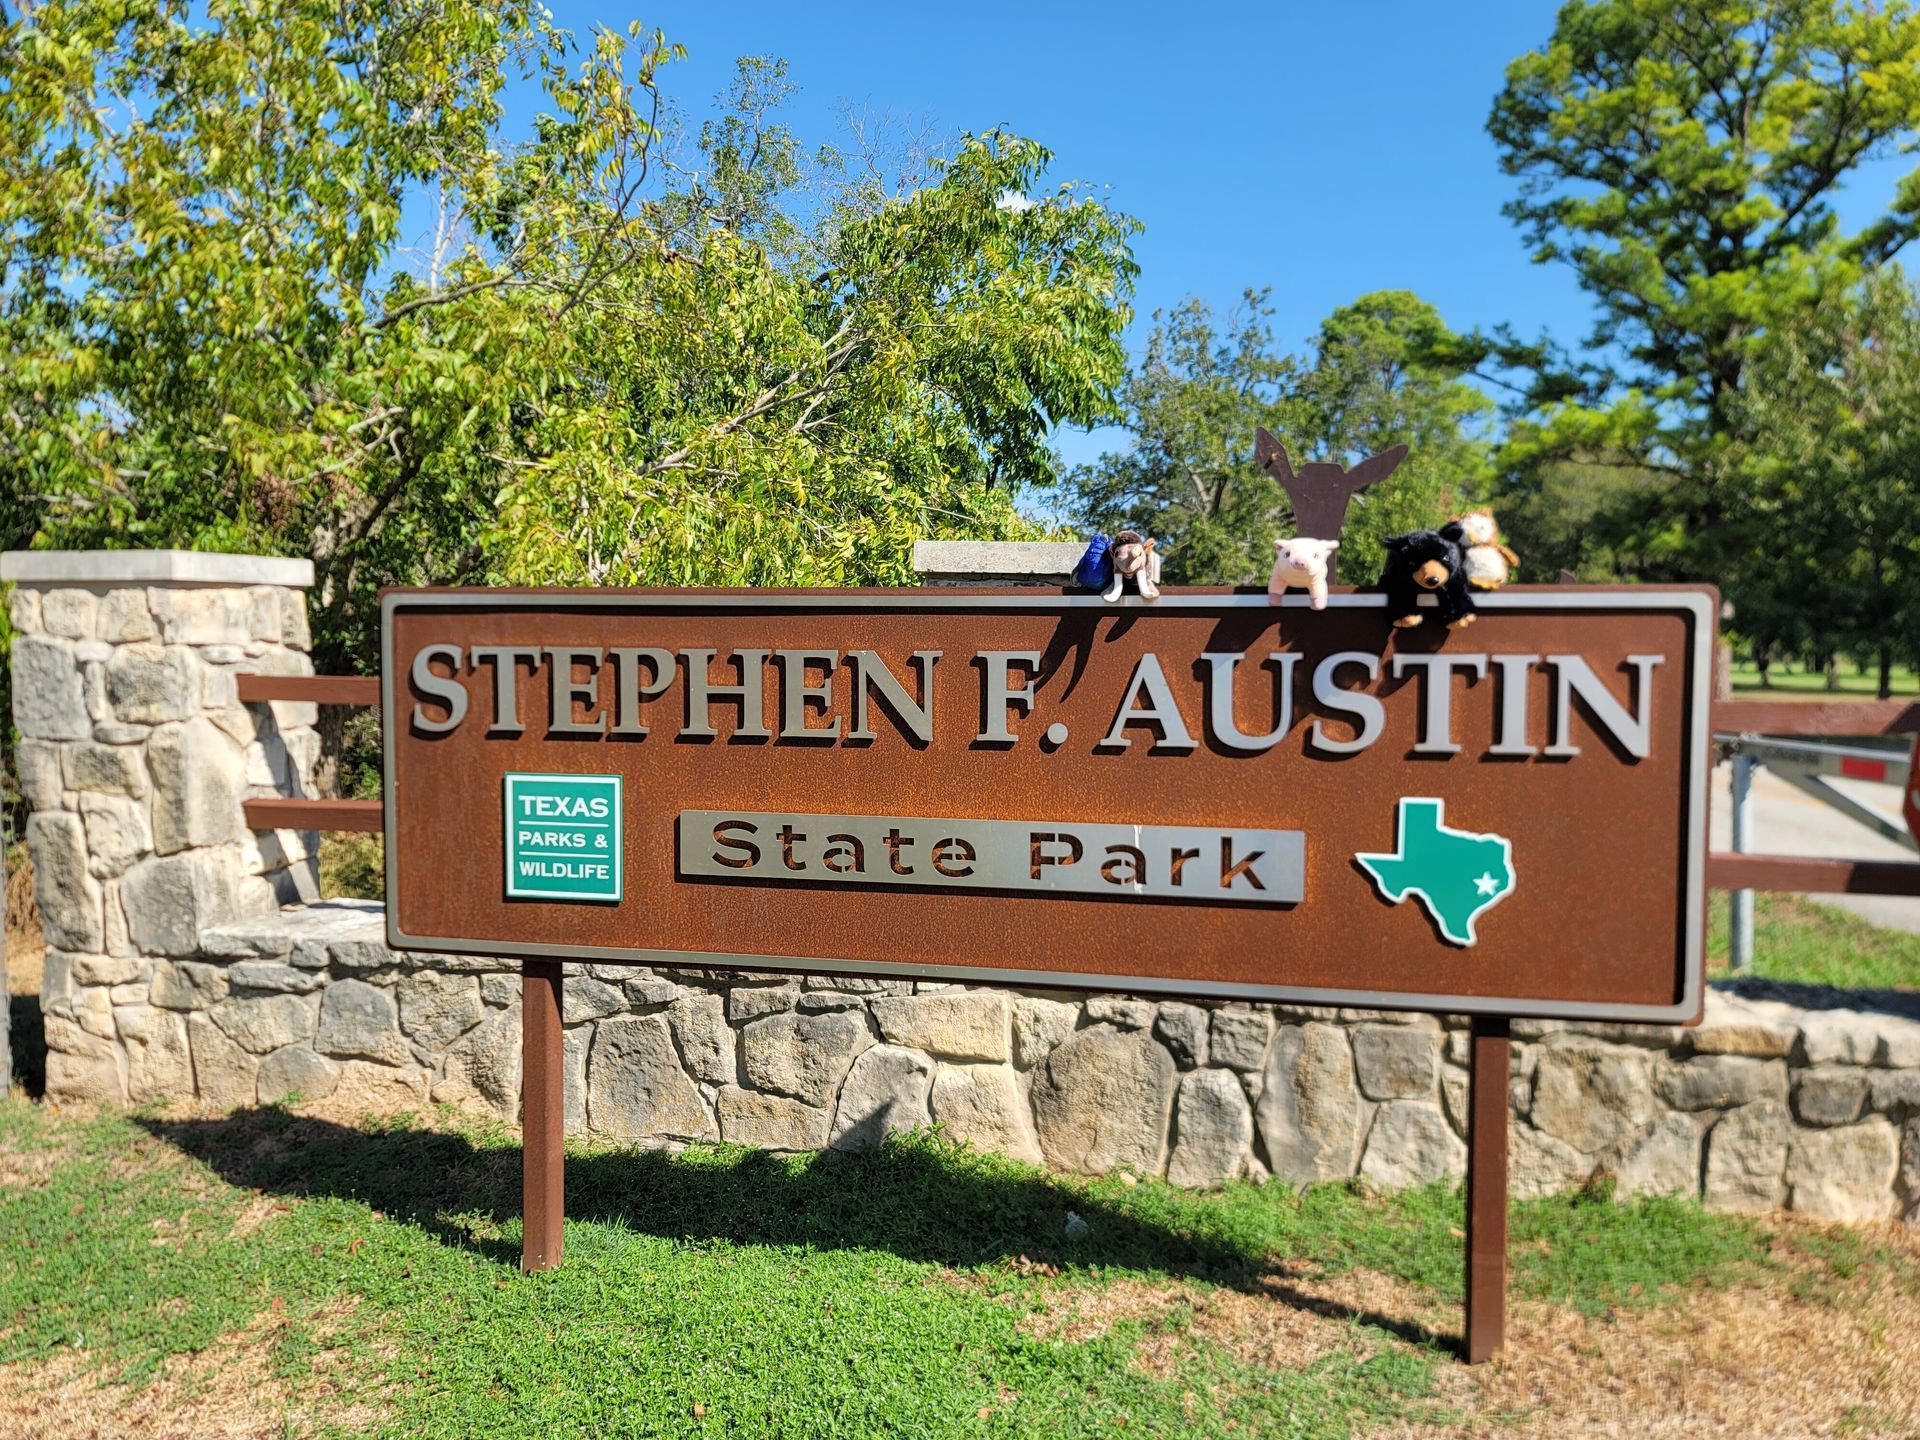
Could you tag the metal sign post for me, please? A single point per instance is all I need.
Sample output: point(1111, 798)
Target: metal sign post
point(1488, 1068)
point(543, 1104)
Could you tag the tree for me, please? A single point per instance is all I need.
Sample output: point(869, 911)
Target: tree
point(1383, 371)
point(1388, 371)
point(601, 369)
point(733, 414)
point(1683, 156)
point(1833, 405)
point(1578, 515)
point(217, 341)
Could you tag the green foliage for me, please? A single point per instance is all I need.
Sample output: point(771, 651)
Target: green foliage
point(353, 867)
point(1575, 515)
point(210, 348)
point(736, 419)
point(917, 1290)
point(1384, 370)
point(1388, 371)
point(602, 369)
point(1189, 478)
point(1846, 678)
point(1684, 159)
point(1833, 496)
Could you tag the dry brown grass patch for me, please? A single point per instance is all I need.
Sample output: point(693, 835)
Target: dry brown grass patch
point(259, 1209)
point(1286, 1321)
point(1754, 1362)
point(1076, 1314)
point(142, 1154)
point(225, 1392)
point(1808, 1352)
point(23, 932)
point(20, 1170)
point(1360, 1295)
point(26, 964)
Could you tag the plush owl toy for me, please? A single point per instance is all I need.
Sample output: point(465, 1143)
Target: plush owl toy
point(1490, 564)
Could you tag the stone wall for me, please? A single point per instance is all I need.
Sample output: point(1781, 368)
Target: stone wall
point(135, 755)
point(174, 972)
point(1767, 1104)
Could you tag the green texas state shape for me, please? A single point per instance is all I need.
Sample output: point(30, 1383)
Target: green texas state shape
point(1457, 874)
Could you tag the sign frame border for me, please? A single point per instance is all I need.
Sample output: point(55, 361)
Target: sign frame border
point(1701, 603)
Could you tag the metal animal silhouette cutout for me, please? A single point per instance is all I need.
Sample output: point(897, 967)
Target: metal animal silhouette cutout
point(1320, 490)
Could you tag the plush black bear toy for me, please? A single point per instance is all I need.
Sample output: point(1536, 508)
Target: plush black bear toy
point(1426, 562)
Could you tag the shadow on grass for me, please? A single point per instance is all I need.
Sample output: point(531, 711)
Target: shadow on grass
point(1905, 1003)
point(916, 1197)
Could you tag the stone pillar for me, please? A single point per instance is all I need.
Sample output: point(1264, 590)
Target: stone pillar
point(135, 755)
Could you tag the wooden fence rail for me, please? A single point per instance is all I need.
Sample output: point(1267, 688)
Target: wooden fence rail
point(289, 813)
point(294, 814)
point(1833, 717)
point(315, 689)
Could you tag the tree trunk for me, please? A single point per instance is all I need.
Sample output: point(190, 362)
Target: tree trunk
point(1763, 662)
point(1832, 666)
point(1886, 672)
point(332, 727)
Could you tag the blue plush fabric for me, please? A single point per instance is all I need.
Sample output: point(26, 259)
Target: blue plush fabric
point(1095, 570)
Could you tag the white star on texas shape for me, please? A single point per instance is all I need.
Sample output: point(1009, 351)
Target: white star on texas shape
point(1486, 884)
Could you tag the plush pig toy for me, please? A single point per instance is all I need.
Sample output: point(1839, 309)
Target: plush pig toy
point(1303, 563)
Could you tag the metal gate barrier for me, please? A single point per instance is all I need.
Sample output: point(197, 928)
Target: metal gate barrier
point(1810, 766)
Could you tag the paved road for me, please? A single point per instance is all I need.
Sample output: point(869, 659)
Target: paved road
point(1785, 822)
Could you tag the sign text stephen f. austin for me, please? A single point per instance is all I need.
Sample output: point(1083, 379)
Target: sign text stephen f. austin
point(831, 696)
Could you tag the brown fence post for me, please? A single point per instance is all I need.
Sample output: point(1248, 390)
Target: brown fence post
point(543, 1116)
point(1488, 1100)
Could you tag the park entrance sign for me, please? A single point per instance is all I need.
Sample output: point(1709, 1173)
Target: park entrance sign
point(1210, 796)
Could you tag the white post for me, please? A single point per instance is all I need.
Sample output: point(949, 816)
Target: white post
point(1740, 915)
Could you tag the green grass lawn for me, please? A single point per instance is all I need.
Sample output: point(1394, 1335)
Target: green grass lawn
point(370, 1272)
point(1790, 681)
point(353, 866)
point(1800, 940)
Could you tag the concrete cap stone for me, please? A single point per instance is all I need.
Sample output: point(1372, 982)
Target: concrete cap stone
point(109, 568)
point(1044, 561)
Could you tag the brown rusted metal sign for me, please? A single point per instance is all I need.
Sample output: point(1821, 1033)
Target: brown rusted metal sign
point(1208, 795)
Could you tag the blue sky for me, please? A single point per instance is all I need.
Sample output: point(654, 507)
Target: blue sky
point(1324, 150)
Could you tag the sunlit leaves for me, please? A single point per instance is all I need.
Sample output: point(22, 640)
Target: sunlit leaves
point(592, 368)
point(765, 425)
point(1685, 157)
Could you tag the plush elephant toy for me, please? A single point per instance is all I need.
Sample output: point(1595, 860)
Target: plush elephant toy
point(1134, 557)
